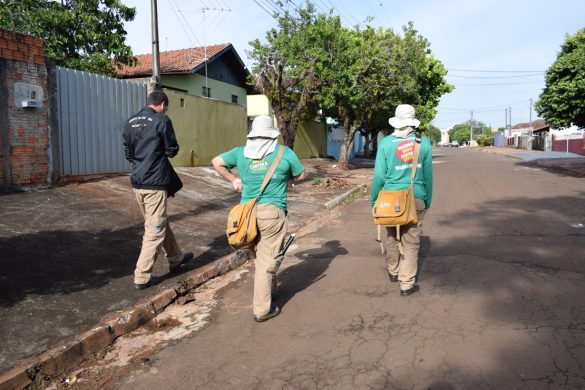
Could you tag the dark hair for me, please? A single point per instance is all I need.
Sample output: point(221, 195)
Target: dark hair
point(155, 98)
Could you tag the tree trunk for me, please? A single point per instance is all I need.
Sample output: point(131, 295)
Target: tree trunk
point(289, 133)
point(350, 130)
point(346, 149)
point(369, 140)
point(287, 128)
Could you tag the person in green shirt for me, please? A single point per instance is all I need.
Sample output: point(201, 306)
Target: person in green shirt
point(392, 171)
point(253, 162)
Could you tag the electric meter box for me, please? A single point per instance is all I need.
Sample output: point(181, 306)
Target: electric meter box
point(28, 95)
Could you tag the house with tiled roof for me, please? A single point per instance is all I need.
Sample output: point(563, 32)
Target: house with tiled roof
point(223, 76)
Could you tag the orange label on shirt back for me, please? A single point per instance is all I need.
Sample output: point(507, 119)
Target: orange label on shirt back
point(405, 151)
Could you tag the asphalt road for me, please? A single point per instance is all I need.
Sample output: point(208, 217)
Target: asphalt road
point(501, 303)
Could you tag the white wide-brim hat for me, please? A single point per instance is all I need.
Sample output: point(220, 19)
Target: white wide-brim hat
point(263, 127)
point(404, 117)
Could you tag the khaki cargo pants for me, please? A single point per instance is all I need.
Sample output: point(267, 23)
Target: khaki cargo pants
point(402, 255)
point(272, 228)
point(157, 234)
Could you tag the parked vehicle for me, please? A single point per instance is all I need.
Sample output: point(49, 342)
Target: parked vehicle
point(454, 144)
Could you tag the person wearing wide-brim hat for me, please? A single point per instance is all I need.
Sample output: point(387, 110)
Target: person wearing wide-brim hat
point(393, 171)
point(253, 161)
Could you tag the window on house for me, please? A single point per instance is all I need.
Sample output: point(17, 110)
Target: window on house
point(235, 99)
point(205, 92)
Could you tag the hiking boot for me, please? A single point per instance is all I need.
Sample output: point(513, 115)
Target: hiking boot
point(393, 278)
point(410, 291)
point(151, 282)
point(274, 311)
point(187, 257)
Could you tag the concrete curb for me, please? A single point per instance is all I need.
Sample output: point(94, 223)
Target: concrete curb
point(338, 199)
point(66, 356)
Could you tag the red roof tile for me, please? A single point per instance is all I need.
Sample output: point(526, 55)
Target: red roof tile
point(536, 124)
point(174, 61)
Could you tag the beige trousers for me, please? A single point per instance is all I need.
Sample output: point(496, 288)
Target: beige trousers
point(272, 227)
point(402, 255)
point(157, 234)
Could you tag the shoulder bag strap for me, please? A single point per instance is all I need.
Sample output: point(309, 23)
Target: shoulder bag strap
point(414, 162)
point(272, 169)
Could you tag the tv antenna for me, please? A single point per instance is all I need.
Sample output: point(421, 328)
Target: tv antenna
point(203, 11)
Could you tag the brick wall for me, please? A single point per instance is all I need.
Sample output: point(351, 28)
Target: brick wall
point(24, 132)
point(575, 145)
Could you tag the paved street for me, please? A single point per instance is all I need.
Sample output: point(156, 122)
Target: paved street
point(68, 252)
point(500, 306)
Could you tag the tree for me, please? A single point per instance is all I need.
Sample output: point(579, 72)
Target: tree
point(562, 102)
point(460, 133)
point(434, 134)
point(288, 68)
point(86, 35)
point(375, 71)
point(354, 86)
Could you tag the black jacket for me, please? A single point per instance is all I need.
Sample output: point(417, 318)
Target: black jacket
point(149, 142)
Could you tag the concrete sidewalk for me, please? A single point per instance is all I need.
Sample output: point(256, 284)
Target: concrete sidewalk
point(562, 161)
point(68, 255)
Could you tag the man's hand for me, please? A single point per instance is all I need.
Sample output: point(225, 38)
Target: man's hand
point(238, 186)
point(221, 168)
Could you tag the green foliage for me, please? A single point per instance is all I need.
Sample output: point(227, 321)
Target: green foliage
point(86, 35)
point(289, 67)
point(562, 101)
point(375, 70)
point(433, 133)
point(461, 132)
point(358, 76)
point(485, 140)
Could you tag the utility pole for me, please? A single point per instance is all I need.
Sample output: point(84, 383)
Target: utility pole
point(510, 113)
point(530, 113)
point(471, 128)
point(506, 118)
point(154, 84)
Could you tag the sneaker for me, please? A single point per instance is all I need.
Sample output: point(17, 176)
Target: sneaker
point(187, 257)
point(274, 311)
point(151, 282)
point(410, 291)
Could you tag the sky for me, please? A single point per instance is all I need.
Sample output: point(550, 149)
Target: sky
point(496, 51)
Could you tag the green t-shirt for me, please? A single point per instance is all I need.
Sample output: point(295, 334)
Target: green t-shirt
point(252, 174)
point(393, 168)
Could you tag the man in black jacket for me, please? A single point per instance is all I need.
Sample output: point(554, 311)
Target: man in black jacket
point(149, 142)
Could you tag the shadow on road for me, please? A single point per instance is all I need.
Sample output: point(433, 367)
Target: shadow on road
point(523, 259)
point(298, 277)
point(64, 262)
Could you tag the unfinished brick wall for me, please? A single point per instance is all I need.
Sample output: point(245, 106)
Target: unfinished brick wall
point(24, 132)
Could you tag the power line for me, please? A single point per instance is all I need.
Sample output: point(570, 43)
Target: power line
point(177, 13)
point(341, 14)
point(386, 13)
point(496, 77)
point(492, 84)
point(497, 71)
point(273, 14)
point(350, 13)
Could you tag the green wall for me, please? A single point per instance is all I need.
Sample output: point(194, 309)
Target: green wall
point(311, 140)
point(208, 127)
point(204, 127)
point(193, 83)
